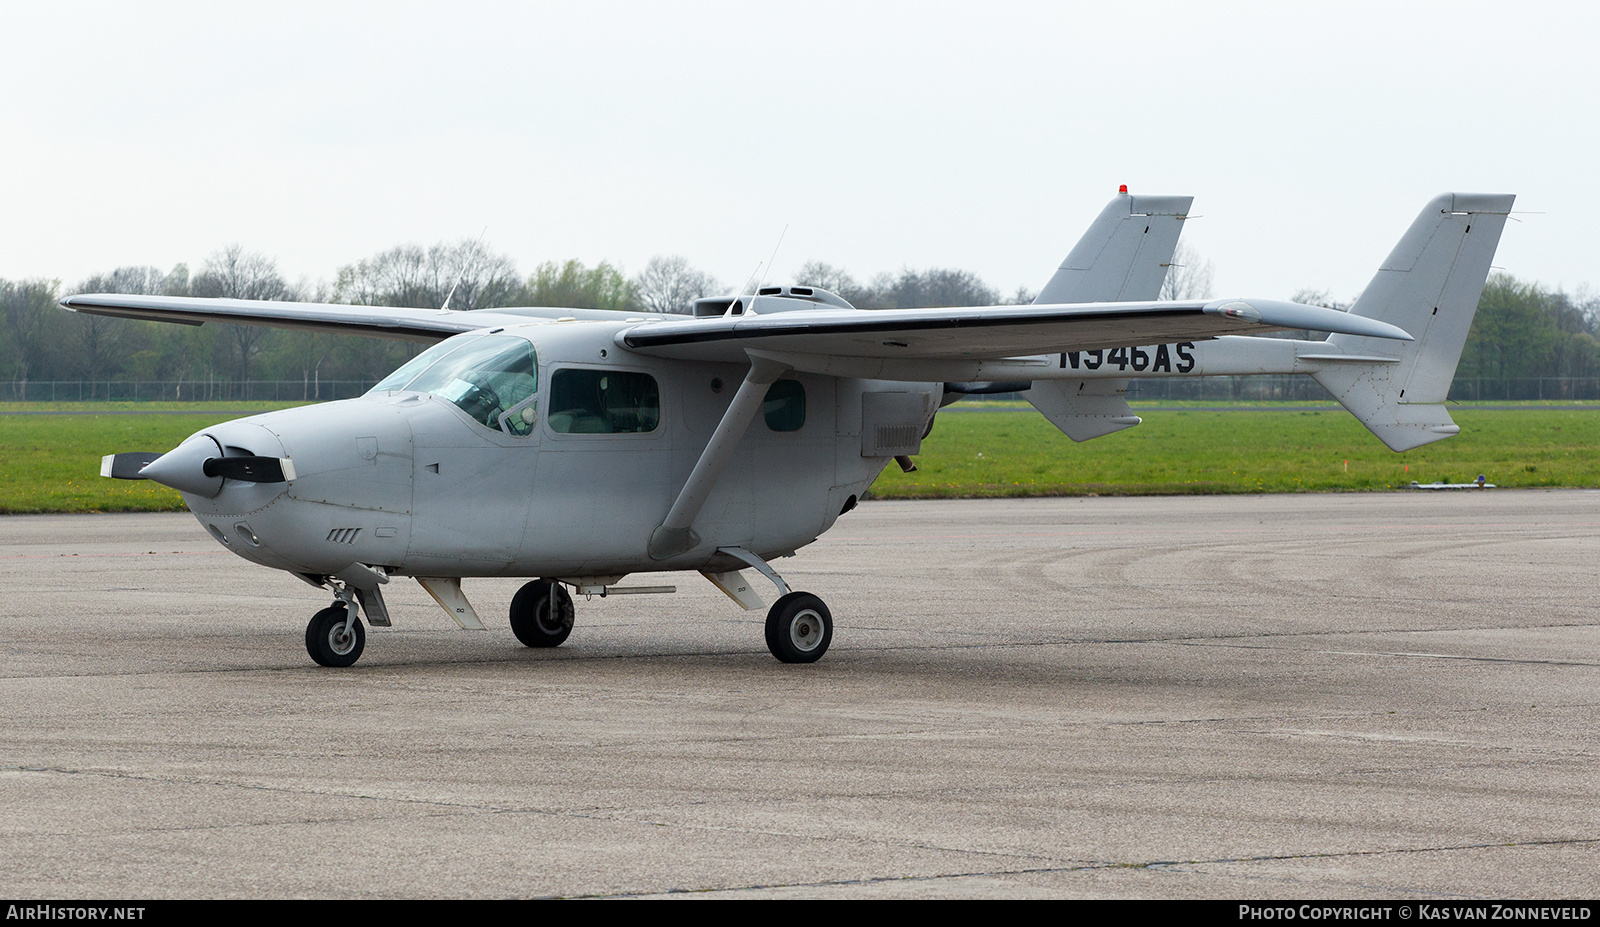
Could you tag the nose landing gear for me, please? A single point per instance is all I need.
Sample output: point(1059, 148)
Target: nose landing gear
point(335, 636)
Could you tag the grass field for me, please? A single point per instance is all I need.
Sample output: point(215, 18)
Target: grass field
point(51, 462)
point(1302, 448)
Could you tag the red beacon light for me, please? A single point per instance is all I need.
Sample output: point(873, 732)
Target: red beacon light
point(1123, 189)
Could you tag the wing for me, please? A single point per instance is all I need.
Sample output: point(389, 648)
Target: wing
point(426, 325)
point(981, 332)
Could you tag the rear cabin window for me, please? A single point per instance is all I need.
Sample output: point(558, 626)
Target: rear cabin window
point(785, 406)
point(603, 402)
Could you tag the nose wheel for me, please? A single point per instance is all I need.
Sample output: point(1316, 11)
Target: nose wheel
point(799, 628)
point(542, 614)
point(335, 637)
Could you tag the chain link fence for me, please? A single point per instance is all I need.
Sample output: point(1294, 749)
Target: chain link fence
point(1285, 388)
point(182, 390)
point(1214, 389)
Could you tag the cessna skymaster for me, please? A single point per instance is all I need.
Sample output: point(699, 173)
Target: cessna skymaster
point(574, 447)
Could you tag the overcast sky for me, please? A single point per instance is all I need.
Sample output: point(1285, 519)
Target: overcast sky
point(983, 136)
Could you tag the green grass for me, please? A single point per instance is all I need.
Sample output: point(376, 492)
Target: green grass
point(51, 463)
point(1212, 450)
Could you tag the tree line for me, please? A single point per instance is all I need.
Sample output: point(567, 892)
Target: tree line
point(1522, 330)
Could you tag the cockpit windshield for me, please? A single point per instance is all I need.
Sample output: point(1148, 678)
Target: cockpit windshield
point(487, 377)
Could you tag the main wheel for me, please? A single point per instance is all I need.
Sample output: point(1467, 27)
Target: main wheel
point(799, 628)
point(329, 642)
point(541, 614)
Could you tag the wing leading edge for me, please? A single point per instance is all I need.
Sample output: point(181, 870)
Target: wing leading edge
point(983, 332)
point(424, 325)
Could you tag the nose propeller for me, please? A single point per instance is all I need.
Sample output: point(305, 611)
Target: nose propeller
point(250, 469)
point(126, 466)
point(196, 466)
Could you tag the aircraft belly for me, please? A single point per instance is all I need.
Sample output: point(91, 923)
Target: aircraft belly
point(308, 537)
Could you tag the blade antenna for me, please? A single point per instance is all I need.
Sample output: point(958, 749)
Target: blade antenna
point(774, 255)
point(471, 259)
point(749, 280)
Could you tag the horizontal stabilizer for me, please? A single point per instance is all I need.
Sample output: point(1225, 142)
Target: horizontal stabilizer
point(1084, 409)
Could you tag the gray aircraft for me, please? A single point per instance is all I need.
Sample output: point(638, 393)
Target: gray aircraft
point(575, 447)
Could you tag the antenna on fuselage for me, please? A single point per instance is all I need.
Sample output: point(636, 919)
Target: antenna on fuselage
point(748, 280)
point(774, 255)
point(471, 259)
point(752, 279)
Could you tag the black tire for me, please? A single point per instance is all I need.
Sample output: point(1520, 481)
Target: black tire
point(540, 619)
point(327, 643)
point(799, 628)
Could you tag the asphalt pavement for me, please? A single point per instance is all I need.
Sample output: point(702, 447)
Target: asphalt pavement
point(1307, 696)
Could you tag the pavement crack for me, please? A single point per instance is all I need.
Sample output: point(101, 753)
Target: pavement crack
point(1176, 866)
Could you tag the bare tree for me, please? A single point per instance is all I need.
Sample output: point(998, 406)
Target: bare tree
point(234, 273)
point(929, 288)
point(1022, 297)
point(30, 315)
point(418, 278)
point(100, 342)
point(833, 279)
point(1188, 276)
point(670, 284)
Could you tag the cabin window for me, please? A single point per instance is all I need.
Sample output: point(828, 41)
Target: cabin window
point(485, 377)
point(603, 402)
point(409, 370)
point(785, 406)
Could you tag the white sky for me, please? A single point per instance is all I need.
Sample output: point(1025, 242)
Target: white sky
point(983, 136)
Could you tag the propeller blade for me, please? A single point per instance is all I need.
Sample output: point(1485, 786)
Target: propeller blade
point(251, 469)
point(126, 466)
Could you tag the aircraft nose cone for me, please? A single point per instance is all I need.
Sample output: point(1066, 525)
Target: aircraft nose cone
point(183, 467)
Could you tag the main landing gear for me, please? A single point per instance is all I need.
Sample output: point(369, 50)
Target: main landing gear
point(799, 628)
point(335, 636)
point(541, 614)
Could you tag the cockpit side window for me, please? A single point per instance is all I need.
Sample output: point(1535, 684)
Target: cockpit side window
point(603, 402)
point(485, 378)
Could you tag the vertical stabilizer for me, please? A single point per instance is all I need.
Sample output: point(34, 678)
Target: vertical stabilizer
point(1124, 255)
point(1429, 286)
